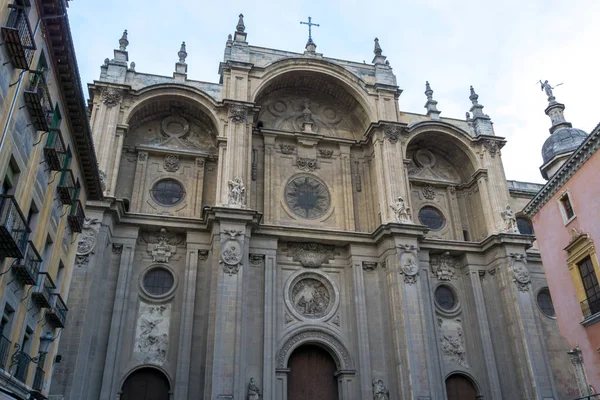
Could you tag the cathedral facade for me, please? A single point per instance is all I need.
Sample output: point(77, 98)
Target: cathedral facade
point(289, 233)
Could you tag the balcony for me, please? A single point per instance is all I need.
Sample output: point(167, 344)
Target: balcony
point(38, 101)
point(18, 37)
point(76, 217)
point(13, 228)
point(54, 150)
point(4, 349)
point(27, 268)
point(57, 315)
point(67, 190)
point(42, 293)
point(38, 380)
point(21, 360)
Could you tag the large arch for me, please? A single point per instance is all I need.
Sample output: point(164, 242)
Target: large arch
point(352, 84)
point(155, 369)
point(468, 377)
point(194, 97)
point(319, 337)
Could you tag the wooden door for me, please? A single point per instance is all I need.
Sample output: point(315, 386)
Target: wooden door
point(311, 375)
point(460, 388)
point(146, 384)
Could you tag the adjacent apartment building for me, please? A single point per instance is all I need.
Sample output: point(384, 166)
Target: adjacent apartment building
point(566, 216)
point(48, 170)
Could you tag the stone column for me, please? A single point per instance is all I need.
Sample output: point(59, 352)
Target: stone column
point(486, 205)
point(105, 128)
point(485, 337)
point(281, 384)
point(200, 162)
point(362, 321)
point(110, 379)
point(270, 329)
point(184, 351)
point(496, 180)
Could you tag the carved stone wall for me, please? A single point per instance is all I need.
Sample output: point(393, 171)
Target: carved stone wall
point(152, 333)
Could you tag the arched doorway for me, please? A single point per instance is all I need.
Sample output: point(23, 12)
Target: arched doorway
point(311, 374)
point(459, 387)
point(146, 384)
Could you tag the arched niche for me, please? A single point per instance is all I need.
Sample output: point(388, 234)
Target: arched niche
point(335, 110)
point(444, 194)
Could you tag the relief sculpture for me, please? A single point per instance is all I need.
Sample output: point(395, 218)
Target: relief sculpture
point(311, 298)
point(452, 341)
point(152, 333)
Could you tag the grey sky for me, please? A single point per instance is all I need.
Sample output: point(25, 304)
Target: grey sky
point(502, 48)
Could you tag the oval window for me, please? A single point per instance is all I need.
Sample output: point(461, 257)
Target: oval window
point(432, 218)
point(168, 192)
point(445, 298)
point(158, 281)
point(544, 301)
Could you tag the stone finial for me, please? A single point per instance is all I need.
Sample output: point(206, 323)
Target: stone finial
point(106, 61)
point(474, 96)
point(377, 51)
point(431, 104)
point(308, 121)
point(132, 66)
point(182, 53)
point(229, 40)
point(240, 25)
point(428, 91)
point(379, 58)
point(123, 42)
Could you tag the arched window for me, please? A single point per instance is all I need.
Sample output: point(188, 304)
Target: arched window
point(524, 225)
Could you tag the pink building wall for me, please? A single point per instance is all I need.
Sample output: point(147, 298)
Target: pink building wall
point(552, 237)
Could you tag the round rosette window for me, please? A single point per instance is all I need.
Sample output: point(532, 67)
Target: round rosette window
point(307, 197)
point(445, 298)
point(168, 192)
point(312, 296)
point(158, 282)
point(432, 218)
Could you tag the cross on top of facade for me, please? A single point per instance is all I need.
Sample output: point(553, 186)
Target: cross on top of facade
point(310, 25)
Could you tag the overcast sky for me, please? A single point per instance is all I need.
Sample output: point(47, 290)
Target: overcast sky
point(502, 48)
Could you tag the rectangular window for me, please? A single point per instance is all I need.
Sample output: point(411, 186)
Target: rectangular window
point(590, 284)
point(32, 216)
point(11, 178)
point(56, 118)
point(6, 322)
point(565, 201)
point(47, 255)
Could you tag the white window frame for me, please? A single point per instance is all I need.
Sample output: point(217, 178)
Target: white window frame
point(561, 207)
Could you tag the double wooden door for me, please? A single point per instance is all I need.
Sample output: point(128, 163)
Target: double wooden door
point(311, 375)
point(460, 388)
point(146, 384)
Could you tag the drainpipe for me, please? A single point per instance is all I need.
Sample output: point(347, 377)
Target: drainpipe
point(20, 81)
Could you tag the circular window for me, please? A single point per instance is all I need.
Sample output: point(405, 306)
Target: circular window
point(307, 197)
point(432, 218)
point(545, 303)
point(158, 281)
point(168, 192)
point(445, 298)
point(525, 226)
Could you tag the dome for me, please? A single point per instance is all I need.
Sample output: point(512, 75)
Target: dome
point(562, 141)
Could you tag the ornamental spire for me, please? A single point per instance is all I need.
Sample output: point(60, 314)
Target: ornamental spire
point(240, 30)
point(310, 44)
point(482, 123)
point(123, 42)
point(379, 58)
point(431, 104)
point(240, 25)
point(181, 66)
point(182, 53)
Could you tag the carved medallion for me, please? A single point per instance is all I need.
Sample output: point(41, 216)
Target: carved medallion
point(175, 126)
point(87, 241)
point(307, 197)
point(428, 192)
point(171, 163)
point(311, 296)
point(311, 255)
point(231, 251)
point(409, 265)
point(452, 341)
point(521, 275)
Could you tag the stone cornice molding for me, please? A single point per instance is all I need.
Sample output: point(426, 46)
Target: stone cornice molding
point(568, 169)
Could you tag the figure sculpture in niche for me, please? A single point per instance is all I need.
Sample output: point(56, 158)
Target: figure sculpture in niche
point(402, 211)
point(237, 192)
point(510, 222)
point(253, 390)
point(380, 392)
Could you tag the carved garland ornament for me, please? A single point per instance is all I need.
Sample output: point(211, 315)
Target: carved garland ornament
point(311, 255)
point(287, 148)
point(409, 264)
point(521, 276)
point(428, 192)
point(341, 354)
point(171, 162)
point(237, 113)
point(111, 96)
point(306, 164)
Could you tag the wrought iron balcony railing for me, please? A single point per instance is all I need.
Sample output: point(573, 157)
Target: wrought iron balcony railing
point(18, 37)
point(76, 217)
point(13, 228)
point(38, 101)
point(21, 360)
point(57, 314)
point(590, 306)
point(54, 150)
point(38, 380)
point(67, 191)
point(4, 349)
point(43, 291)
point(27, 268)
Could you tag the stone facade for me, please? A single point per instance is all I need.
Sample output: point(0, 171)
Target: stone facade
point(297, 216)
